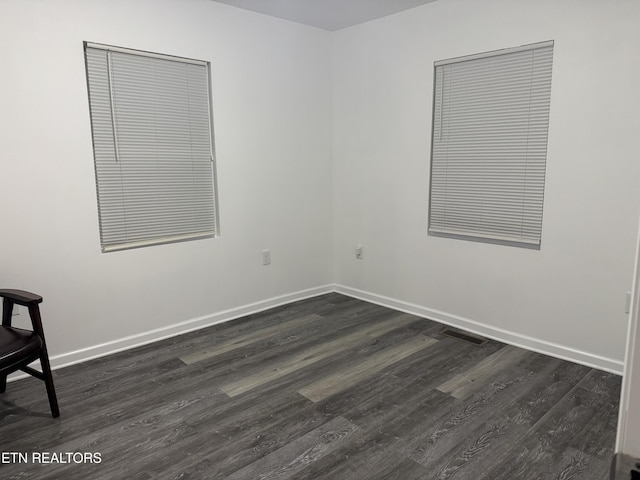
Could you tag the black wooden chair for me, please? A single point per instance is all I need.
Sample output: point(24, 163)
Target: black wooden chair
point(19, 347)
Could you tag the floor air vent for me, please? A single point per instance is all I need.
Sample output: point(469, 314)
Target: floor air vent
point(465, 336)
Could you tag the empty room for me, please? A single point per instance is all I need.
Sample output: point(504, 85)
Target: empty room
point(319, 239)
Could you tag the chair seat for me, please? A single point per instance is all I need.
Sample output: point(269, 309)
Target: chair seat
point(16, 345)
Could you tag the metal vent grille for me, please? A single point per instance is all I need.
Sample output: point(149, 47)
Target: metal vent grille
point(475, 340)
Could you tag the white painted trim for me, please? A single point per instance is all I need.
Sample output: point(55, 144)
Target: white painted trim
point(494, 53)
point(133, 341)
point(506, 336)
point(627, 377)
point(523, 341)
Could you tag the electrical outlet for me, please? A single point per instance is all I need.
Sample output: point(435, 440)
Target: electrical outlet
point(359, 252)
point(627, 305)
point(266, 257)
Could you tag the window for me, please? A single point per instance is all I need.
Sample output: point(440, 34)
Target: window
point(153, 149)
point(489, 145)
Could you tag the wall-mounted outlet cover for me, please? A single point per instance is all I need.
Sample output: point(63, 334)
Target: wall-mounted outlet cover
point(266, 257)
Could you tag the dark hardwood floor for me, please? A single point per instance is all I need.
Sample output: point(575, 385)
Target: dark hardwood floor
point(326, 388)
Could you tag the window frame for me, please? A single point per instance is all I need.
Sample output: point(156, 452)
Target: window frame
point(441, 230)
point(208, 185)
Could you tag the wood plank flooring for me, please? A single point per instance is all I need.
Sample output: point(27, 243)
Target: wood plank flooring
point(326, 388)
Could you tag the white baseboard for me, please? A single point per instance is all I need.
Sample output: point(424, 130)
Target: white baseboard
point(126, 343)
point(523, 341)
point(516, 339)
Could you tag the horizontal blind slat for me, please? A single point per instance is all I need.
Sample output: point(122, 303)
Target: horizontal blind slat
point(158, 182)
point(489, 145)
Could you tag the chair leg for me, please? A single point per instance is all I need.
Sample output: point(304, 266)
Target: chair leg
point(48, 380)
point(34, 313)
point(3, 383)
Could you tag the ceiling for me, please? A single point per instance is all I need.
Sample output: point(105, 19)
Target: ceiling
point(327, 14)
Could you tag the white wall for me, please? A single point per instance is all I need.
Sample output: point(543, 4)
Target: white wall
point(569, 297)
point(272, 100)
point(287, 100)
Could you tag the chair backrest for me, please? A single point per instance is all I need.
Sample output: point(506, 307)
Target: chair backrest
point(18, 347)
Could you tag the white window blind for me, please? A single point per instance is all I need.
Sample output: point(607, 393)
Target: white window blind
point(489, 145)
point(153, 149)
